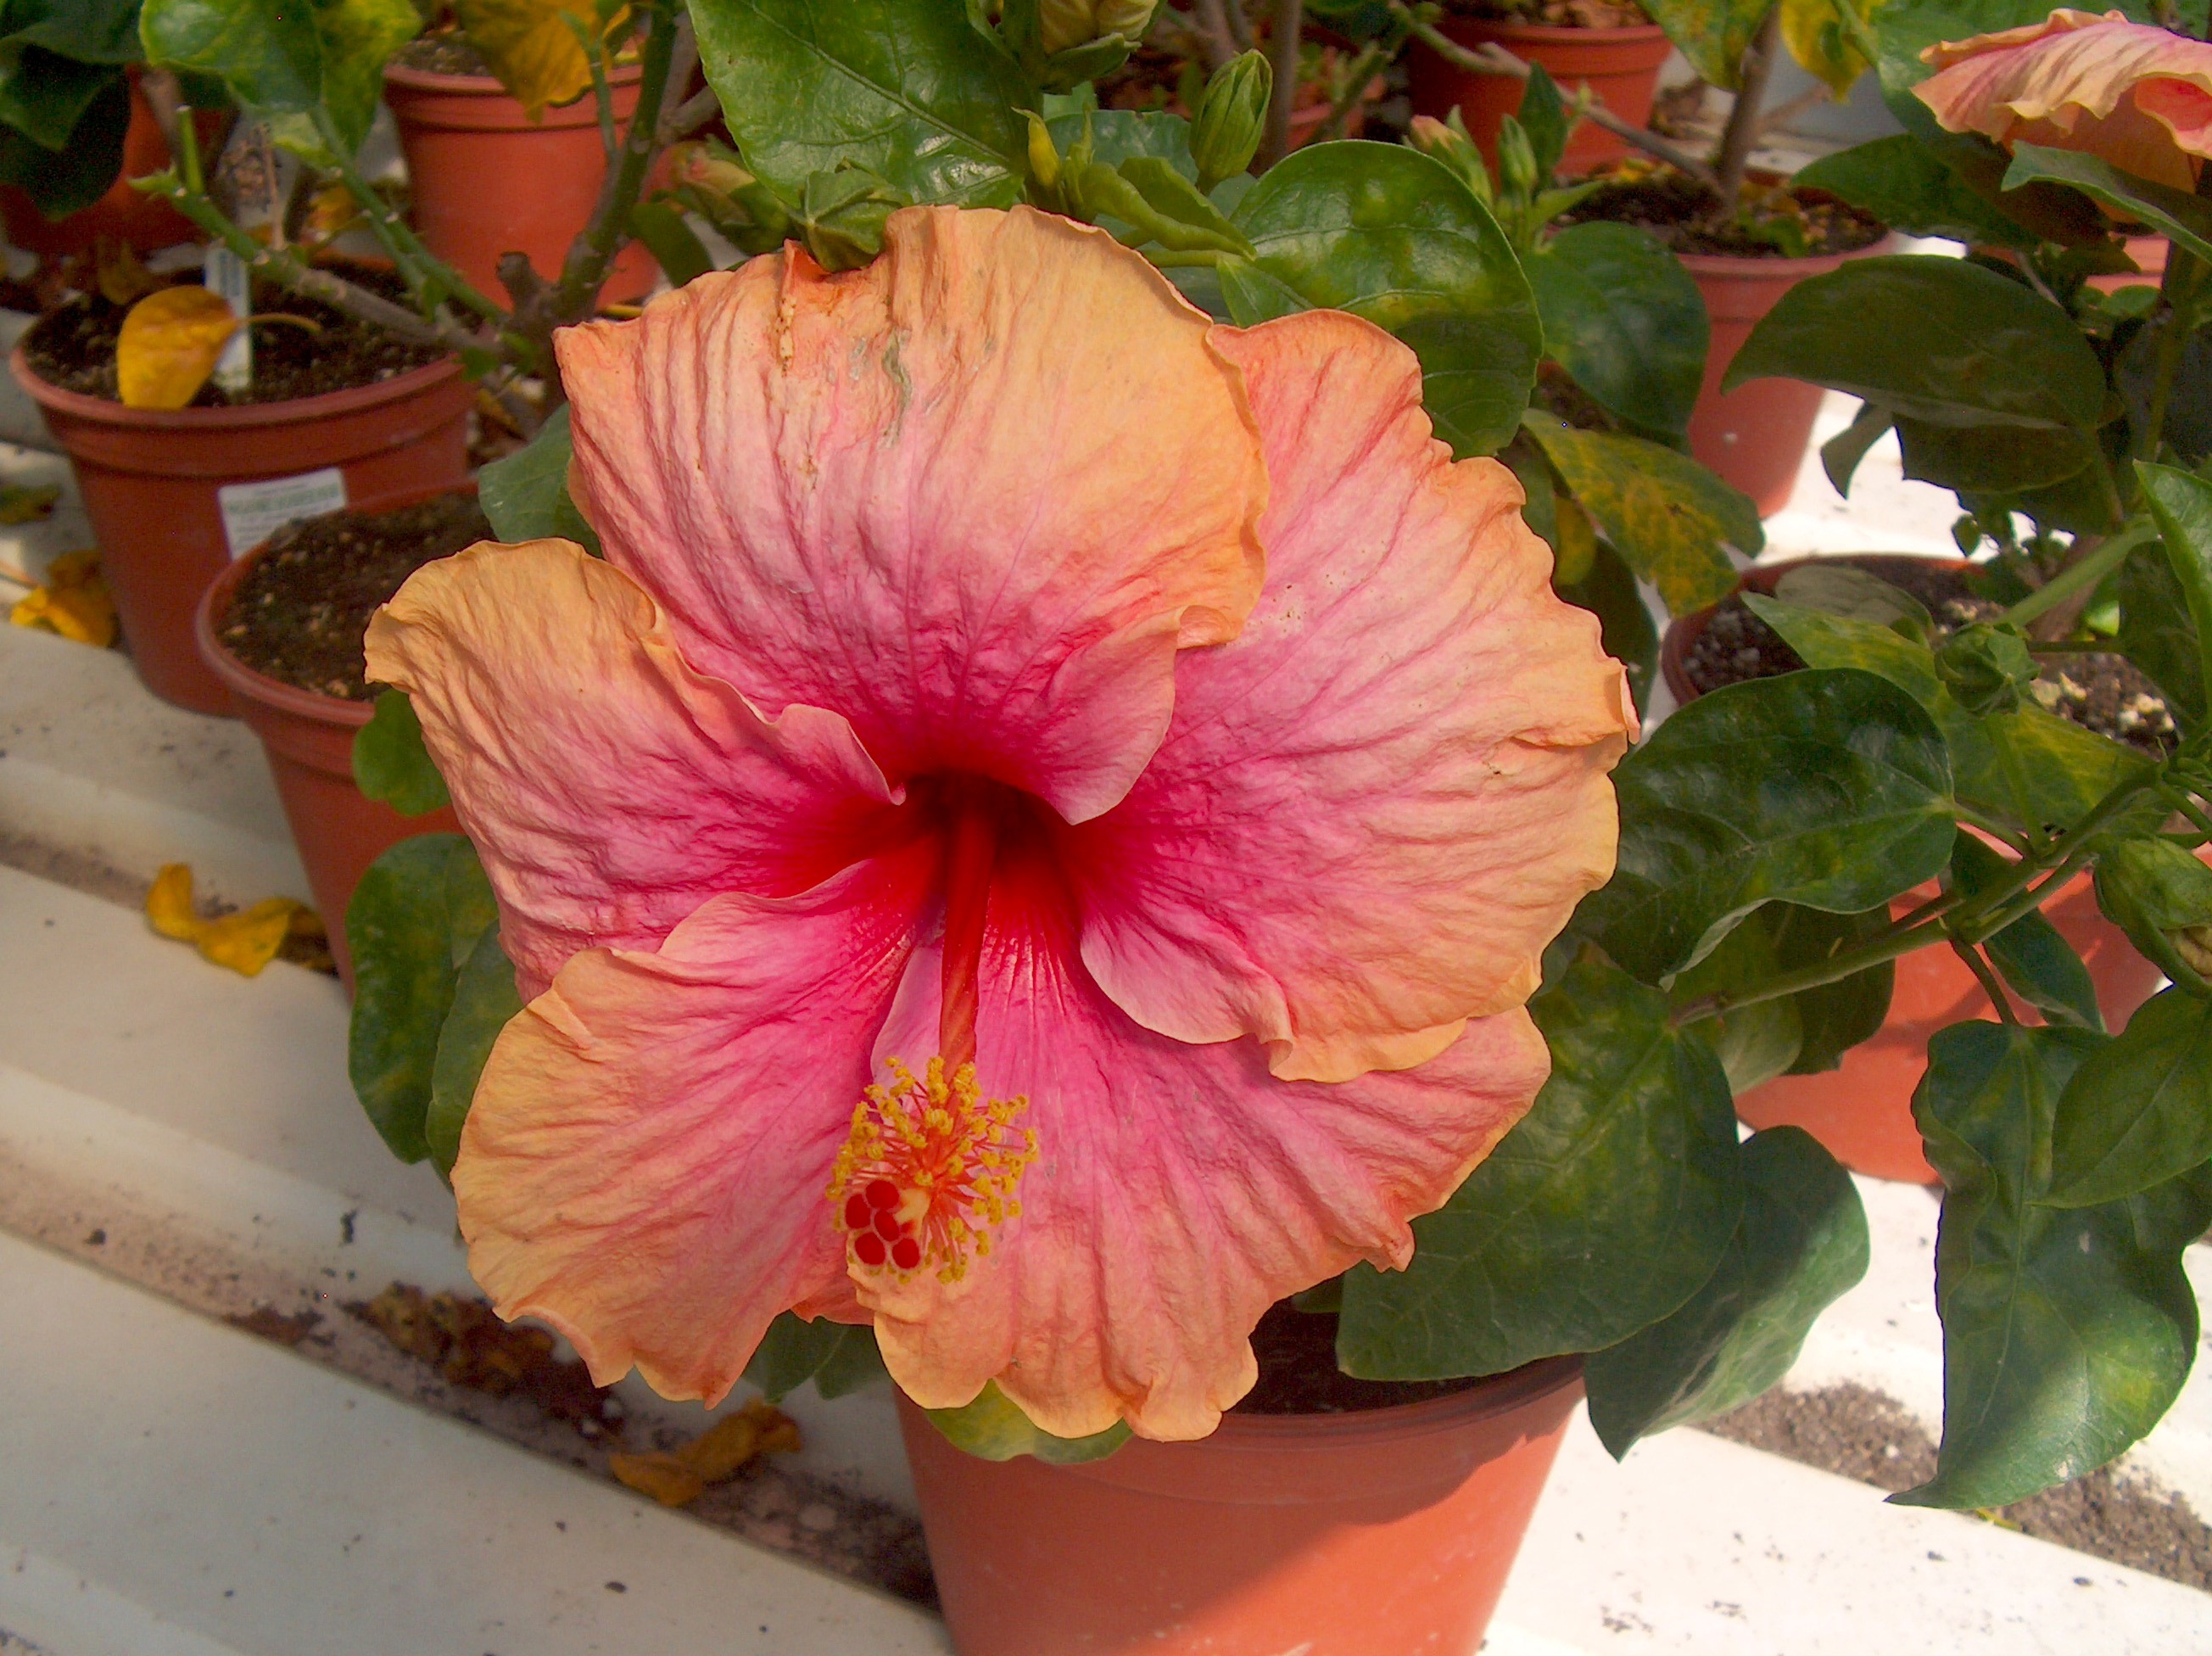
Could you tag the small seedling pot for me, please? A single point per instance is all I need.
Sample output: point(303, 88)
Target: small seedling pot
point(1620, 65)
point(1386, 1531)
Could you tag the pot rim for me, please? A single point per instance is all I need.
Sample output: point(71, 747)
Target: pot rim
point(486, 86)
point(1684, 629)
point(1749, 267)
point(252, 685)
point(295, 411)
point(1548, 33)
point(1490, 1394)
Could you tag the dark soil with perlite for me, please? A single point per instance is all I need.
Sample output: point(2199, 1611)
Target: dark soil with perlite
point(1298, 1375)
point(299, 614)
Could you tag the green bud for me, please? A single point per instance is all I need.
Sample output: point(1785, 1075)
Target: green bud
point(1448, 142)
point(1517, 173)
point(709, 179)
point(2161, 896)
point(1044, 155)
point(1065, 25)
point(842, 216)
point(1985, 667)
point(1231, 114)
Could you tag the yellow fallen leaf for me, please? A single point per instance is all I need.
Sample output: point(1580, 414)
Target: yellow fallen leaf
point(122, 277)
point(73, 602)
point(677, 1477)
point(245, 942)
point(170, 345)
point(24, 502)
point(531, 47)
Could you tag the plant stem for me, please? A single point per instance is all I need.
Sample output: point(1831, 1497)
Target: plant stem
point(1733, 159)
point(2082, 577)
point(596, 245)
point(1494, 59)
point(1282, 32)
point(1986, 978)
point(1355, 87)
point(1210, 24)
point(2179, 287)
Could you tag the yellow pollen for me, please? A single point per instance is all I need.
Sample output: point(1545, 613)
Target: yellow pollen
point(928, 1172)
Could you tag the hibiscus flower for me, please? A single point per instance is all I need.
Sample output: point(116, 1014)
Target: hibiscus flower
point(1037, 836)
point(2137, 96)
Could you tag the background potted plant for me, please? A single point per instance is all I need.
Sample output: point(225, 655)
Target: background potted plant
point(1766, 831)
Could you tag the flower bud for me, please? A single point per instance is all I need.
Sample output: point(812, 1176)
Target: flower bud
point(1044, 155)
point(1063, 25)
point(1448, 142)
point(1985, 667)
point(1231, 114)
point(1516, 161)
point(2161, 896)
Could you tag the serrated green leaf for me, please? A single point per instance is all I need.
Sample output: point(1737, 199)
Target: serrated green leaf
point(2066, 1333)
point(1828, 788)
point(1667, 516)
point(1799, 1245)
point(1601, 1211)
point(281, 59)
point(1389, 234)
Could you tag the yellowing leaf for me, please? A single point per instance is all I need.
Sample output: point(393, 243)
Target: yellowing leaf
point(122, 276)
point(1821, 40)
point(170, 345)
point(531, 47)
point(245, 942)
point(73, 603)
point(22, 502)
point(677, 1477)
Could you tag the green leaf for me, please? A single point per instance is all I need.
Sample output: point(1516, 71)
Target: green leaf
point(1936, 339)
point(1624, 319)
point(279, 58)
point(1602, 1211)
point(1835, 1017)
point(1543, 116)
point(2139, 1110)
point(1609, 593)
point(44, 95)
point(1754, 1043)
point(2156, 633)
point(1904, 185)
point(2161, 897)
point(1841, 455)
point(2188, 425)
point(90, 31)
point(525, 496)
point(2032, 769)
point(2180, 503)
point(993, 1428)
point(390, 762)
point(1713, 34)
point(673, 243)
point(2041, 966)
point(2183, 218)
point(66, 182)
point(414, 920)
point(913, 93)
point(838, 1357)
point(2066, 1333)
point(1800, 1245)
point(1120, 135)
point(1990, 458)
point(1828, 788)
point(1664, 513)
point(1389, 234)
point(484, 1003)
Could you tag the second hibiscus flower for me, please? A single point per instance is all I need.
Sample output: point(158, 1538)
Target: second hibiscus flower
point(1037, 836)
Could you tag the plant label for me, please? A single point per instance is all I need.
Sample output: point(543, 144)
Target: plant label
point(234, 369)
point(252, 512)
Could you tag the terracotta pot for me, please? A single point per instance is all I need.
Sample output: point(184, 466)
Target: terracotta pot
point(1329, 1535)
point(308, 737)
point(1756, 435)
point(154, 482)
point(1620, 65)
point(1863, 1112)
point(486, 180)
point(1308, 118)
point(123, 214)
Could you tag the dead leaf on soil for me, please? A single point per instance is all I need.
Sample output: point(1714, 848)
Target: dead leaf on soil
point(245, 942)
point(123, 277)
point(73, 602)
point(169, 345)
point(24, 502)
point(465, 1342)
point(677, 1477)
point(271, 1323)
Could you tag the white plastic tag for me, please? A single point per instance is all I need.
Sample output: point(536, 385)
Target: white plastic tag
point(226, 275)
point(252, 512)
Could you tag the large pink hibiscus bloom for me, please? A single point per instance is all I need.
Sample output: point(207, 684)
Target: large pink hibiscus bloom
point(1037, 836)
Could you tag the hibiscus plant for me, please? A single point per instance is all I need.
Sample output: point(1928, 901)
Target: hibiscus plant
point(1032, 790)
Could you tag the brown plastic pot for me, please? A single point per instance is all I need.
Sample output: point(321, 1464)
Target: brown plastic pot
point(1756, 435)
point(123, 214)
point(1620, 65)
point(308, 737)
point(486, 180)
point(1366, 1534)
point(1862, 1111)
point(151, 479)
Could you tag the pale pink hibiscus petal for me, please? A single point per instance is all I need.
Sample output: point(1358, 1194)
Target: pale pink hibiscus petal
point(611, 790)
point(1376, 806)
point(646, 1161)
point(2138, 96)
point(1179, 1190)
point(973, 497)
